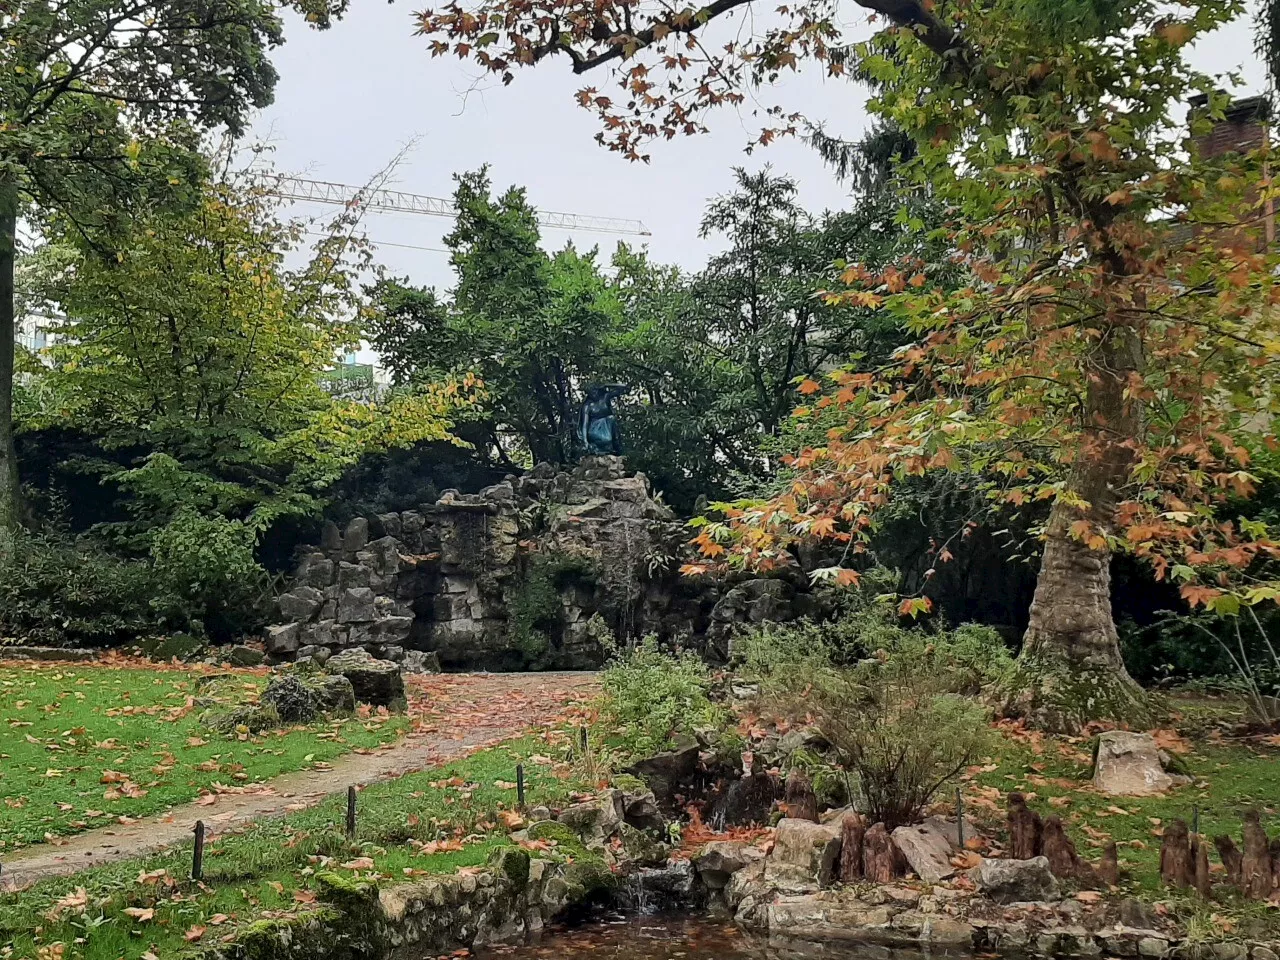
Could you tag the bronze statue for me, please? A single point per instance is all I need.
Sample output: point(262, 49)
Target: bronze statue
point(597, 426)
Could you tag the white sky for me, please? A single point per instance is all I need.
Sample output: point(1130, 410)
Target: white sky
point(351, 97)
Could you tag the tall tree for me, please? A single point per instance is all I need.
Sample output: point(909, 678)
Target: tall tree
point(1099, 358)
point(532, 326)
point(80, 82)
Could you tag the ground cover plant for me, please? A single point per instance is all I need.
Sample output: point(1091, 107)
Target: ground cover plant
point(430, 822)
point(85, 744)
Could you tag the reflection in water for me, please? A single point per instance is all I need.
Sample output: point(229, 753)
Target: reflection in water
point(676, 938)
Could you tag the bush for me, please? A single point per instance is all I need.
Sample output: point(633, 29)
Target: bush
point(208, 564)
point(652, 699)
point(901, 718)
point(73, 593)
point(975, 655)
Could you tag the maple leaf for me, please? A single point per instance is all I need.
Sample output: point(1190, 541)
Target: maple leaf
point(76, 900)
point(359, 863)
point(141, 914)
point(808, 386)
point(194, 933)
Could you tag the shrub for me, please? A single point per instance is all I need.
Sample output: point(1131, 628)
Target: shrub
point(74, 593)
point(651, 699)
point(208, 564)
point(901, 718)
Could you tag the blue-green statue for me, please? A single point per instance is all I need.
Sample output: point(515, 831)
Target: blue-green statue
point(597, 426)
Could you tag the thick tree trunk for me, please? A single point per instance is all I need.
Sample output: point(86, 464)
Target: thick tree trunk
point(1070, 671)
point(10, 492)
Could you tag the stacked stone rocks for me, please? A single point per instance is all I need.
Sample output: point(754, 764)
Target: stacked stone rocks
point(533, 572)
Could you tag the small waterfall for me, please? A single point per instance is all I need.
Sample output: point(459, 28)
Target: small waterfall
point(637, 894)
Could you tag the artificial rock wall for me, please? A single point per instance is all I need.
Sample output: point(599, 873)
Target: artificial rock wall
point(536, 572)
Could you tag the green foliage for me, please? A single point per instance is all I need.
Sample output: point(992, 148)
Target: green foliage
point(534, 613)
point(896, 704)
point(75, 593)
point(208, 563)
point(975, 655)
point(652, 699)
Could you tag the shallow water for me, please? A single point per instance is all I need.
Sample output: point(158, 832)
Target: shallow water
point(677, 938)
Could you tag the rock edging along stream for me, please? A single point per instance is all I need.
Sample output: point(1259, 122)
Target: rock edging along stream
point(617, 859)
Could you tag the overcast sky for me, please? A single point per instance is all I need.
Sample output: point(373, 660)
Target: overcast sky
point(350, 98)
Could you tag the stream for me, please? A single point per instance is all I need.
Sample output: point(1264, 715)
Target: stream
point(682, 938)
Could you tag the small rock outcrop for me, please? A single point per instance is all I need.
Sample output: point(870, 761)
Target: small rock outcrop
point(927, 851)
point(301, 699)
point(804, 854)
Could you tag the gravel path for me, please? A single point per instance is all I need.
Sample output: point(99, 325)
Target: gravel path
point(455, 714)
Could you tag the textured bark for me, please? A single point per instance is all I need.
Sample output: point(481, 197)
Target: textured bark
point(10, 492)
point(1177, 868)
point(1057, 848)
point(1275, 863)
point(1255, 865)
point(1070, 671)
point(852, 831)
point(1024, 829)
point(1200, 857)
point(879, 855)
point(801, 802)
point(1109, 865)
point(1230, 857)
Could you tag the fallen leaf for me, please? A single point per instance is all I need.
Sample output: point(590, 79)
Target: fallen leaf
point(194, 933)
point(140, 913)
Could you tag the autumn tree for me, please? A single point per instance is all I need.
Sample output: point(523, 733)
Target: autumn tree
point(1110, 353)
point(85, 86)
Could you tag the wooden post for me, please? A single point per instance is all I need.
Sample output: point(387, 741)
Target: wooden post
point(351, 813)
point(197, 854)
point(584, 740)
point(520, 785)
point(960, 818)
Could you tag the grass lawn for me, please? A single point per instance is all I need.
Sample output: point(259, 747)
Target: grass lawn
point(1229, 775)
point(84, 744)
point(429, 822)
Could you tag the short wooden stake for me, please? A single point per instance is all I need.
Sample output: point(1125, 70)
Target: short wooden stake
point(959, 818)
point(584, 741)
point(520, 785)
point(1195, 819)
point(197, 854)
point(351, 813)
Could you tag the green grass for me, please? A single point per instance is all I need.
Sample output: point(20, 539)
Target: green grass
point(270, 869)
point(1228, 777)
point(81, 745)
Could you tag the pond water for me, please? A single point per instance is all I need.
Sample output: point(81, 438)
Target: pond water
point(679, 938)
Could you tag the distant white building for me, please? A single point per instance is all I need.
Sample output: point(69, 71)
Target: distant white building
point(33, 332)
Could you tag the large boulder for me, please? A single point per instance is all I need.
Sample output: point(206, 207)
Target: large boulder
point(418, 661)
point(719, 860)
point(300, 699)
point(1128, 764)
point(749, 800)
point(926, 849)
point(377, 682)
point(1017, 881)
point(804, 853)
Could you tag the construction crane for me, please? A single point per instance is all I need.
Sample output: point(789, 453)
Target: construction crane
point(397, 201)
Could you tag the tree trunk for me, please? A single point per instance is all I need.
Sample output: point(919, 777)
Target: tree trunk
point(1070, 671)
point(10, 492)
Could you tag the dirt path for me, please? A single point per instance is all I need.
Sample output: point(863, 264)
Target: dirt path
point(454, 714)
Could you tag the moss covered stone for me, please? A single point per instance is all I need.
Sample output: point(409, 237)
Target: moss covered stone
point(512, 863)
point(345, 893)
point(1062, 698)
point(555, 831)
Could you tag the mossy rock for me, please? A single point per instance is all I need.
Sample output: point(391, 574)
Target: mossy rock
point(349, 895)
point(181, 645)
point(589, 879)
point(512, 863)
point(255, 717)
point(292, 937)
point(640, 848)
point(556, 831)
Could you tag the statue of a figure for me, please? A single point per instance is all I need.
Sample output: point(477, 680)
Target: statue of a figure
point(597, 426)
